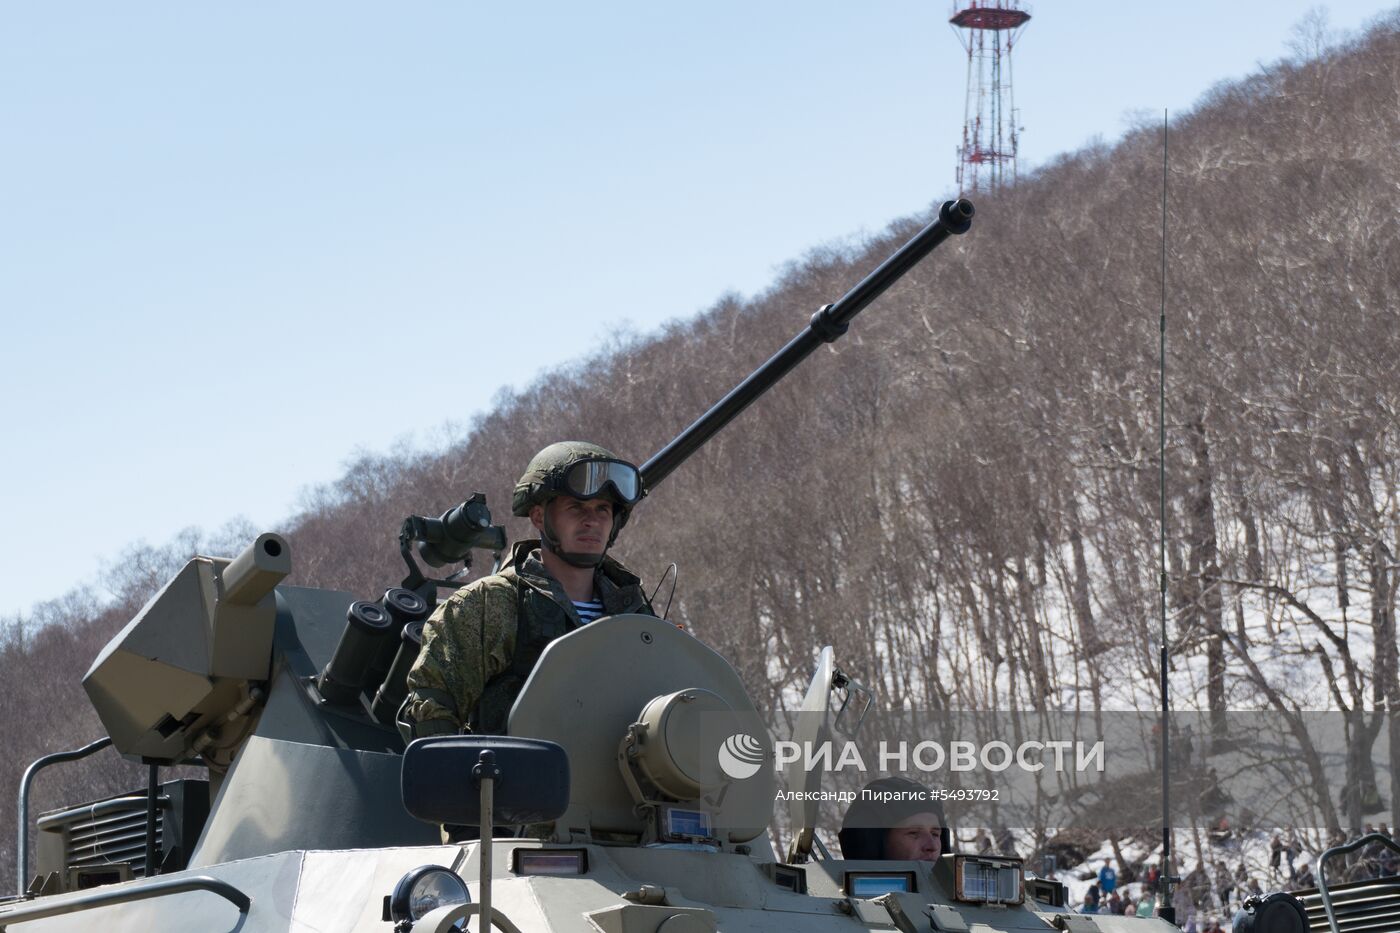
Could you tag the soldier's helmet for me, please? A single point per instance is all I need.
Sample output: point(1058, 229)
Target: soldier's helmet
point(881, 805)
point(581, 470)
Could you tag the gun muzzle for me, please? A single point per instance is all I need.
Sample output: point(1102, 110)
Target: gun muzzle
point(252, 574)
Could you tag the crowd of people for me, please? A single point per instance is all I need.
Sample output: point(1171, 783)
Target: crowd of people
point(1131, 892)
point(1206, 896)
point(1209, 894)
point(1375, 860)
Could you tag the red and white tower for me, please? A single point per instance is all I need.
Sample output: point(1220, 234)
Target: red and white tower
point(988, 29)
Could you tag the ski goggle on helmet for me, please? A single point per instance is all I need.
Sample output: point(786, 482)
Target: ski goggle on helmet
point(588, 479)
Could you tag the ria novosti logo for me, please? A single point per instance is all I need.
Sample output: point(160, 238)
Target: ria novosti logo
point(740, 756)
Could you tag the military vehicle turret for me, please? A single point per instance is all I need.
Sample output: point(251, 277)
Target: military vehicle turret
point(314, 815)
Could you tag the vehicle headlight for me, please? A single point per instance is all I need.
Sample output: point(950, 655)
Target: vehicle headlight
point(425, 889)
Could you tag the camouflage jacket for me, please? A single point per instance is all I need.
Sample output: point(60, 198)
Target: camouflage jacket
point(470, 641)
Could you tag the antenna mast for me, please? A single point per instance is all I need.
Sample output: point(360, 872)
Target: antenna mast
point(1165, 910)
point(987, 29)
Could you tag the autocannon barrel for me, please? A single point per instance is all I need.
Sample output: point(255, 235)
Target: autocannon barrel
point(828, 323)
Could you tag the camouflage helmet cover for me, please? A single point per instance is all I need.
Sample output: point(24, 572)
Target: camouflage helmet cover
point(544, 477)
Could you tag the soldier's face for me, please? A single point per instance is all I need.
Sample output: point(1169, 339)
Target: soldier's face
point(917, 838)
point(582, 525)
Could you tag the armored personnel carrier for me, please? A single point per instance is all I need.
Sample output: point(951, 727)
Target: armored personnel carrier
point(625, 814)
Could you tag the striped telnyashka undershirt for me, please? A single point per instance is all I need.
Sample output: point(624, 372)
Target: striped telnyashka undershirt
point(588, 610)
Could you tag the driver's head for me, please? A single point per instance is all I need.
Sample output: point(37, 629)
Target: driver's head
point(895, 818)
point(917, 837)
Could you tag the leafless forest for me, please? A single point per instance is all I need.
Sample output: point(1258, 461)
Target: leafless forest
point(962, 495)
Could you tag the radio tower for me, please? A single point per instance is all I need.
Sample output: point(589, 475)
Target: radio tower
point(987, 29)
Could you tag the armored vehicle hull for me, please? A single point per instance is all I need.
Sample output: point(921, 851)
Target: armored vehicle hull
point(307, 829)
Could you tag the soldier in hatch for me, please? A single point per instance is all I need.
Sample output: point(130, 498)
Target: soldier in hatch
point(481, 644)
point(895, 818)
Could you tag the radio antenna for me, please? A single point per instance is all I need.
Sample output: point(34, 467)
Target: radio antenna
point(1165, 910)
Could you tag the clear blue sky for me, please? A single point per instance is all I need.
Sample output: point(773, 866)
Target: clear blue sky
point(243, 241)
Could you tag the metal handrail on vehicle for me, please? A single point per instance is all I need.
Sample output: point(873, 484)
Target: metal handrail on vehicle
point(53, 907)
point(22, 852)
point(101, 808)
point(1342, 850)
